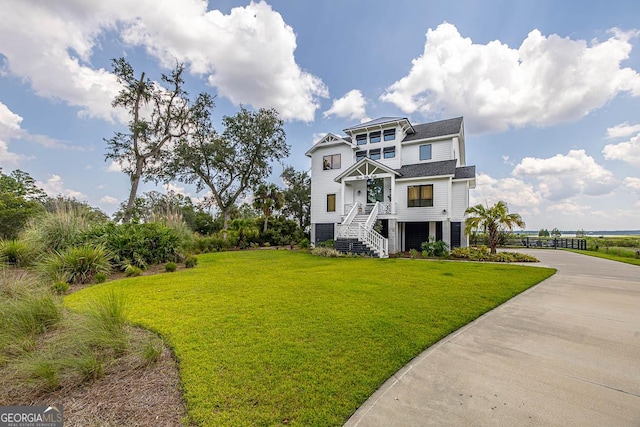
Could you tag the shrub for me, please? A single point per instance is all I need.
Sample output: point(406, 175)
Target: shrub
point(304, 243)
point(18, 253)
point(482, 253)
point(191, 261)
point(170, 267)
point(413, 253)
point(59, 230)
point(326, 252)
point(77, 264)
point(434, 247)
point(100, 277)
point(132, 271)
point(60, 287)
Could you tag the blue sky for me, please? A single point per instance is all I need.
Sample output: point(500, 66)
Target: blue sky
point(550, 91)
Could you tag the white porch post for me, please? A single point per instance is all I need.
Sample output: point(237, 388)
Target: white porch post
point(342, 190)
point(393, 194)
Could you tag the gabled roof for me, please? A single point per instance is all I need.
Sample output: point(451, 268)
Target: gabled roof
point(368, 165)
point(435, 129)
point(441, 168)
point(329, 140)
point(403, 121)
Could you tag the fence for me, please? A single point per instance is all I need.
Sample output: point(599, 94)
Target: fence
point(541, 242)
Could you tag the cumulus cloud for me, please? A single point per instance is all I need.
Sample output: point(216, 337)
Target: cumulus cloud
point(55, 187)
point(547, 80)
point(514, 192)
point(632, 183)
point(563, 176)
point(248, 55)
point(628, 151)
point(108, 200)
point(351, 106)
point(622, 130)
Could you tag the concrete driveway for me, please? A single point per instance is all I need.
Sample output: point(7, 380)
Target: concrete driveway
point(565, 353)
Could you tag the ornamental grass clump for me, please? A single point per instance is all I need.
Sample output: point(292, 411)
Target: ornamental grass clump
point(76, 264)
point(18, 253)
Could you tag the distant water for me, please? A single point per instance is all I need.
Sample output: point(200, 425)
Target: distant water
point(572, 233)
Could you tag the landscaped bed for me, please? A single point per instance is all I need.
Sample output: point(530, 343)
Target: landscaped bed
point(280, 337)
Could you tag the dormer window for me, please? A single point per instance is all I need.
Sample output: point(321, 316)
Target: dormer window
point(361, 139)
point(374, 137)
point(389, 134)
point(374, 154)
point(425, 152)
point(389, 152)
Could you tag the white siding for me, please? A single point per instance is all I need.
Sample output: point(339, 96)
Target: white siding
point(434, 213)
point(440, 150)
point(460, 201)
point(322, 183)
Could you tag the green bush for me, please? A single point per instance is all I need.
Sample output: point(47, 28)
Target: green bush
point(191, 261)
point(482, 253)
point(60, 288)
point(139, 244)
point(170, 267)
point(59, 230)
point(326, 252)
point(132, 271)
point(18, 253)
point(413, 253)
point(304, 243)
point(326, 244)
point(432, 247)
point(76, 264)
point(100, 277)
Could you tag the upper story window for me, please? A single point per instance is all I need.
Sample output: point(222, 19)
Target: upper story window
point(360, 155)
point(361, 139)
point(389, 152)
point(420, 196)
point(331, 162)
point(389, 134)
point(425, 152)
point(374, 137)
point(374, 154)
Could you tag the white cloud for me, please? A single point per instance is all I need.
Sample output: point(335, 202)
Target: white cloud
point(546, 80)
point(317, 136)
point(55, 186)
point(622, 130)
point(628, 151)
point(248, 55)
point(7, 158)
point(173, 188)
point(632, 183)
point(351, 106)
point(108, 200)
point(564, 176)
point(515, 192)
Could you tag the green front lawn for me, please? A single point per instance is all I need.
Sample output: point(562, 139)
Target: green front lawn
point(277, 337)
point(612, 257)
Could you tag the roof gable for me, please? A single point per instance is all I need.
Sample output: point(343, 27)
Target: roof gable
point(327, 141)
point(365, 168)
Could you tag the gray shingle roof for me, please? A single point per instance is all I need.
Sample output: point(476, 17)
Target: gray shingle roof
point(444, 167)
point(465, 172)
point(434, 129)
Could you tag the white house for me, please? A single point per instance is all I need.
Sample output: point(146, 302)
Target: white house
point(408, 182)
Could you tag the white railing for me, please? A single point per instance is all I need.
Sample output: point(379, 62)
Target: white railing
point(352, 213)
point(371, 220)
point(375, 241)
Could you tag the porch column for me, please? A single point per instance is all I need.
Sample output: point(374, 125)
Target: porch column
point(342, 190)
point(393, 194)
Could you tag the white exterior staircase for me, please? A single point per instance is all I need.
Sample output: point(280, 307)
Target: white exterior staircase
point(360, 228)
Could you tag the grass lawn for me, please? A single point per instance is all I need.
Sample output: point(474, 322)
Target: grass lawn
point(612, 257)
point(277, 337)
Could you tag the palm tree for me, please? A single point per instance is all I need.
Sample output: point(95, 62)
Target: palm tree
point(243, 229)
point(492, 220)
point(267, 198)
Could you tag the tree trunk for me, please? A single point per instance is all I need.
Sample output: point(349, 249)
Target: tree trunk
point(135, 182)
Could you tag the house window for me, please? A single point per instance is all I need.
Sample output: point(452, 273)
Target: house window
point(389, 134)
point(374, 137)
point(331, 162)
point(374, 154)
point(425, 152)
point(360, 155)
point(419, 196)
point(331, 202)
point(361, 139)
point(389, 152)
